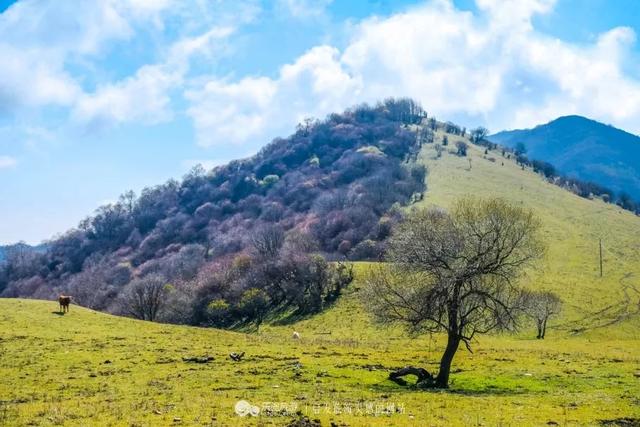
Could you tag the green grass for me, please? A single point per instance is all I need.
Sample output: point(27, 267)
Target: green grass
point(572, 226)
point(54, 370)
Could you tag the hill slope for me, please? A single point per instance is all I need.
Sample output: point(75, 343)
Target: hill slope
point(54, 369)
point(583, 148)
point(331, 187)
point(105, 370)
point(573, 227)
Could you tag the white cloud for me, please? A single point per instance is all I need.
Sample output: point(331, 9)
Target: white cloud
point(587, 80)
point(181, 51)
point(236, 112)
point(492, 68)
point(435, 54)
point(39, 38)
point(147, 8)
point(304, 9)
point(514, 15)
point(33, 79)
point(7, 162)
point(65, 27)
point(143, 98)
point(231, 112)
point(41, 41)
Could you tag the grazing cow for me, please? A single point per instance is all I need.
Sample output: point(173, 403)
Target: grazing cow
point(296, 335)
point(64, 301)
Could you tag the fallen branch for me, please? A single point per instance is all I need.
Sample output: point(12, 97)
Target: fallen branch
point(424, 377)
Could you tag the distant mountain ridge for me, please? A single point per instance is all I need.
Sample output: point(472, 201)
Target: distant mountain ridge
point(583, 148)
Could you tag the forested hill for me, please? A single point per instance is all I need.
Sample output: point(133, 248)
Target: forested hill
point(585, 149)
point(330, 188)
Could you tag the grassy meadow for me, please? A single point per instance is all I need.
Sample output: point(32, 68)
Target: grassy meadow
point(89, 368)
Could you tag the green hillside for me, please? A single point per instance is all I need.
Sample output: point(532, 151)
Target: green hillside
point(91, 368)
point(584, 148)
point(573, 227)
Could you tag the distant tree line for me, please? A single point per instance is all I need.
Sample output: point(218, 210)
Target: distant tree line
point(582, 188)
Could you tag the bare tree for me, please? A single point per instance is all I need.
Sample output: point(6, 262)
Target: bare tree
point(299, 242)
point(145, 297)
point(479, 134)
point(128, 201)
point(456, 272)
point(540, 306)
point(462, 148)
point(268, 240)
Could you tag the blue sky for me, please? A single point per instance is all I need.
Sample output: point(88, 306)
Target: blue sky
point(100, 97)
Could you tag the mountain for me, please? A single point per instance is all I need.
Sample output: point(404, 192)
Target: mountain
point(583, 148)
point(335, 188)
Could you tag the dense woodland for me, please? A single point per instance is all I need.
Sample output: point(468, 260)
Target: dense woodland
point(233, 243)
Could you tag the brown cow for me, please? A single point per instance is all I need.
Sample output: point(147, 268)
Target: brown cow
point(64, 301)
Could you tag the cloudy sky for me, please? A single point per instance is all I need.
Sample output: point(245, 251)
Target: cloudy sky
point(100, 97)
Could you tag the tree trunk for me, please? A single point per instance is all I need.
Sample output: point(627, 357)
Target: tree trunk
point(539, 322)
point(442, 380)
point(544, 328)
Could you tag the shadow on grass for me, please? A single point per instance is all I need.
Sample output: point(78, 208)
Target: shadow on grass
point(388, 386)
point(625, 421)
point(59, 313)
point(287, 316)
point(277, 317)
point(291, 318)
point(245, 328)
point(492, 391)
